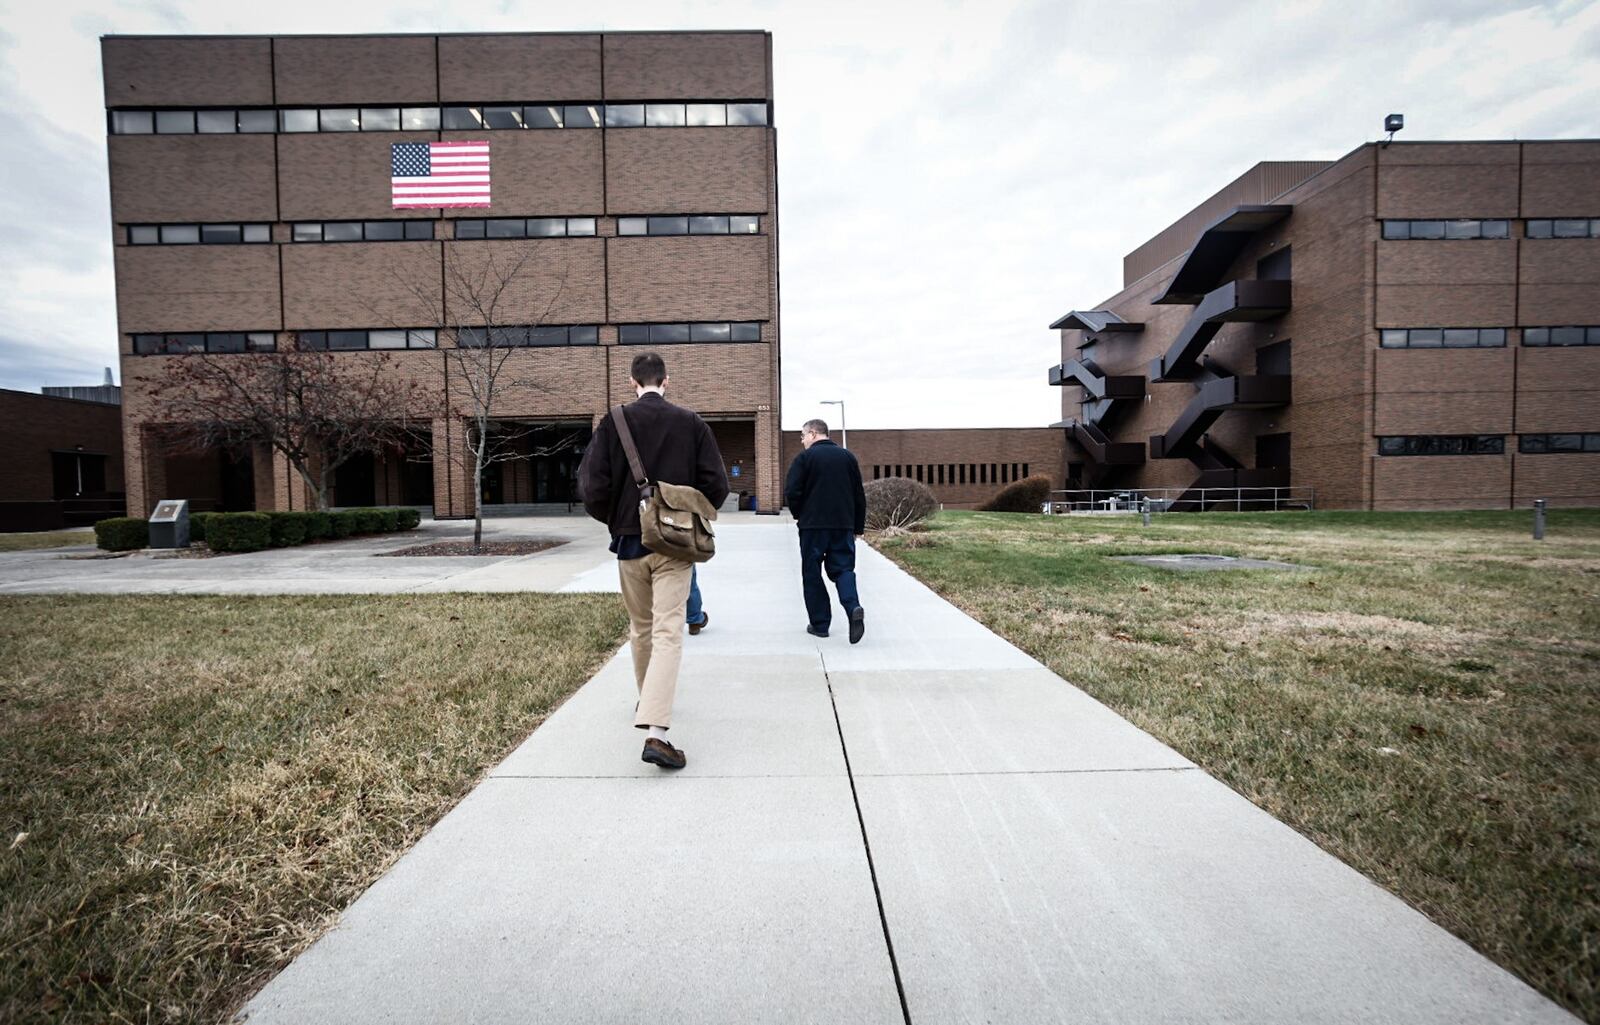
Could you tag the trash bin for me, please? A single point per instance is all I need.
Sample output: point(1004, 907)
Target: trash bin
point(169, 524)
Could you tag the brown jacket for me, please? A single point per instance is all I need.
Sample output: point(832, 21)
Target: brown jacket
point(675, 446)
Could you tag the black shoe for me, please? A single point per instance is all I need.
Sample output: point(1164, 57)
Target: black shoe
point(813, 631)
point(705, 621)
point(858, 624)
point(659, 752)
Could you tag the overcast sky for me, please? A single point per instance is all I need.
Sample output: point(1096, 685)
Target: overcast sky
point(953, 176)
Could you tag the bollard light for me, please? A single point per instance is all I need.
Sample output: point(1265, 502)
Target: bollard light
point(1145, 512)
point(1538, 519)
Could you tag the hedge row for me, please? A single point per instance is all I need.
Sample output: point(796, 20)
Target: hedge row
point(252, 531)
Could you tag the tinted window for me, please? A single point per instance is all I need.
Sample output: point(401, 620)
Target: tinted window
point(1460, 338)
point(1394, 339)
point(423, 339)
point(221, 233)
point(180, 234)
point(1396, 229)
point(386, 339)
point(707, 114)
point(258, 120)
point(585, 334)
point(298, 120)
point(669, 225)
point(347, 339)
point(1535, 336)
point(418, 229)
point(1427, 229)
point(341, 231)
point(709, 333)
point(747, 113)
point(661, 114)
point(580, 225)
point(307, 232)
point(1461, 229)
point(1426, 338)
point(462, 118)
point(1539, 229)
point(340, 119)
point(384, 231)
point(633, 334)
point(631, 225)
point(542, 117)
point(747, 332)
point(502, 117)
point(420, 119)
point(1567, 336)
point(547, 227)
point(581, 117)
point(471, 337)
point(1563, 228)
point(624, 115)
point(669, 332)
point(380, 119)
point(507, 228)
point(216, 122)
point(175, 122)
point(132, 122)
point(225, 343)
point(548, 336)
point(1496, 229)
point(708, 225)
point(144, 235)
point(312, 340)
point(744, 225)
point(258, 233)
point(260, 342)
point(469, 229)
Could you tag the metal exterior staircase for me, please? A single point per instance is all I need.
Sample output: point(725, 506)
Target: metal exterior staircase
point(1215, 397)
point(1232, 303)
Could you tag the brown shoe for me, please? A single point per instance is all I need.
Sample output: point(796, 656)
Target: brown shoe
point(659, 752)
point(705, 621)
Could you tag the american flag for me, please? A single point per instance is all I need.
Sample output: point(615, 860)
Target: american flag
point(439, 174)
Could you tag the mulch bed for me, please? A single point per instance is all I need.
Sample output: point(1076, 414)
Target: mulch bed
point(527, 547)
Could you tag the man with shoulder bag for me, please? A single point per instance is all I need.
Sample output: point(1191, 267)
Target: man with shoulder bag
point(654, 476)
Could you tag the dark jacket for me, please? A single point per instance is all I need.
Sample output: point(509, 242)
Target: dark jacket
point(824, 489)
point(675, 446)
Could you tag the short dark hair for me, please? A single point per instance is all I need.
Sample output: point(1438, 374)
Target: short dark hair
point(649, 369)
point(816, 427)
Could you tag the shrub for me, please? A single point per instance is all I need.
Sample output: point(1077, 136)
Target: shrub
point(318, 525)
point(898, 502)
point(368, 521)
point(408, 519)
point(388, 520)
point(122, 533)
point(288, 528)
point(343, 523)
point(1024, 496)
point(197, 525)
point(239, 532)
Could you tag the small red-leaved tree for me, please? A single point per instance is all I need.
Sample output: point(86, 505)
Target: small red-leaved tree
point(317, 409)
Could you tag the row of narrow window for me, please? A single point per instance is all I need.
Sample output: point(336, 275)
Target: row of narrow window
point(1484, 337)
point(541, 335)
point(413, 230)
point(1545, 227)
point(1484, 444)
point(477, 117)
point(953, 473)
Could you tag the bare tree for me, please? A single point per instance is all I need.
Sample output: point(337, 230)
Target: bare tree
point(316, 409)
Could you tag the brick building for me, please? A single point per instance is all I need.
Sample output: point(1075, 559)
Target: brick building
point(964, 467)
point(63, 464)
point(1411, 326)
point(633, 180)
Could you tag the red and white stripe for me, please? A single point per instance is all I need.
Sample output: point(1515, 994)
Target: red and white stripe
point(460, 178)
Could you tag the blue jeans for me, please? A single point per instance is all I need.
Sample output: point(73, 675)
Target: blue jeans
point(833, 552)
point(696, 614)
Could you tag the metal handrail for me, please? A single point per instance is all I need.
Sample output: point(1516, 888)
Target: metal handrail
point(1134, 500)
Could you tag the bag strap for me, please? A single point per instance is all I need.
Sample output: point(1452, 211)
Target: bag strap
point(640, 480)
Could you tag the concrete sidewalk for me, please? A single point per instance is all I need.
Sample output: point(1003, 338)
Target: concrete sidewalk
point(926, 827)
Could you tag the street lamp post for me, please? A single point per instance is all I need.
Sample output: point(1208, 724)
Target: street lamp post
point(844, 435)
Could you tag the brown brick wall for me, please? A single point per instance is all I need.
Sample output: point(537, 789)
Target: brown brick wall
point(687, 170)
point(1448, 180)
point(1558, 390)
point(1444, 391)
point(196, 288)
point(171, 72)
point(1560, 281)
point(190, 178)
point(360, 284)
point(686, 65)
point(1456, 283)
point(478, 69)
point(37, 425)
point(1566, 478)
point(558, 281)
point(689, 278)
point(340, 175)
point(332, 71)
point(1561, 179)
point(540, 173)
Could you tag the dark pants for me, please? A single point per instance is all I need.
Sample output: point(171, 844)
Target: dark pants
point(833, 551)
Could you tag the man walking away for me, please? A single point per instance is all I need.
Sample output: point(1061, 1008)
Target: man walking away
point(825, 494)
point(676, 447)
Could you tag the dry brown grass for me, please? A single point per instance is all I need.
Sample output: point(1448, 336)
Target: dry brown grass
point(1425, 703)
point(204, 783)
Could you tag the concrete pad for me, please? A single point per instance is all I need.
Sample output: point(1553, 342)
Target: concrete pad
point(599, 901)
point(740, 716)
point(1151, 897)
point(1014, 720)
point(1194, 562)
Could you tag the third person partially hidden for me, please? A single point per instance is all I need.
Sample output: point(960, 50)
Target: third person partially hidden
point(825, 493)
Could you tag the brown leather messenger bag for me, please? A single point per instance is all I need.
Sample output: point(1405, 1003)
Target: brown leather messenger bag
point(674, 519)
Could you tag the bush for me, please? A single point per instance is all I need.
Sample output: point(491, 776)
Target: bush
point(288, 528)
point(318, 525)
point(344, 523)
point(898, 502)
point(388, 520)
point(197, 525)
point(407, 519)
point(1024, 496)
point(368, 521)
point(122, 533)
point(239, 532)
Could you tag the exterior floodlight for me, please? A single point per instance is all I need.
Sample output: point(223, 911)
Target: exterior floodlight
point(1391, 124)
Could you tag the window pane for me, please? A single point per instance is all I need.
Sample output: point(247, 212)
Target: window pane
point(380, 119)
point(383, 231)
point(340, 119)
point(630, 226)
point(747, 332)
point(508, 228)
point(1563, 228)
point(1393, 339)
point(221, 233)
point(1533, 443)
point(298, 120)
point(225, 342)
point(258, 233)
point(186, 343)
point(1566, 336)
point(547, 227)
point(1491, 446)
point(1594, 336)
point(669, 225)
point(1492, 337)
point(181, 122)
point(463, 118)
point(669, 332)
point(581, 117)
point(708, 114)
point(541, 117)
point(310, 232)
point(423, 339)
point(347, 339)
point(508, 336)
point(469, 229)
point(260, 341)
point(1591, 442)
point(180, 234)
point(548, 336)
point(258, 121)
point(1539, 229)
point(471, 337)
point(502, 117)
point(583, 334)
point(744, 225)
point(1426, 338)
point(633, 334)
point(1496, 229)
point(1461, 229)
point(417, 230)
point(580, 225)
point(341, 231)
point(312, 341)
point(1461, 338)
point(1396, 229)
point(1427, 229)
point(747, 113)
point(1566, 443)
point(1535, 336)
point(144, 235)
point(132, 122)
point(663, 114)
point(419, 119)
point(624, 115)
point(1391, 446)
point(145, 345)
point(386, 339)
point(708, 225)
point(709, 333)
point(216, 122)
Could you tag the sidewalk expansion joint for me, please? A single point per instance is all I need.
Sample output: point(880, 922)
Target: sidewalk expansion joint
point(866, 844)
point(1029, 772)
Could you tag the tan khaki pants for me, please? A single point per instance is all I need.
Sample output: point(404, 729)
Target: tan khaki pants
point(655, 590)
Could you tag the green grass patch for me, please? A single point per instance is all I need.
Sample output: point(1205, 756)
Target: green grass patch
point(1424, 703)
point(206, 782)
point(45, 539)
